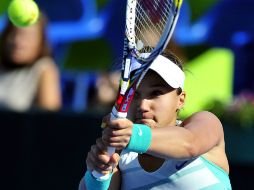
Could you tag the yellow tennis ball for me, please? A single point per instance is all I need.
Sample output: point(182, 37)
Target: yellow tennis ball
point(23, 12)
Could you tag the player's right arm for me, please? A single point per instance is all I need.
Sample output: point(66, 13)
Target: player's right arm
point(99, 160)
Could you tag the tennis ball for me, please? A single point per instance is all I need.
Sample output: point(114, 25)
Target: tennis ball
point(23, 12)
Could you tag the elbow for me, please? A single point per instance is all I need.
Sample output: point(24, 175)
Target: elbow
point(191, 149)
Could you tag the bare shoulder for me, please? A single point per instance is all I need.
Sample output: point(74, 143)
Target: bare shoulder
point(203, 116)
point(214, 135)
point(204, 120)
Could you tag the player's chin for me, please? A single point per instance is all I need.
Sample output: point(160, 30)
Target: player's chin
point(149, 122)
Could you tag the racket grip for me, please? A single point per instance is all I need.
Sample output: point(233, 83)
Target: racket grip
point(111, 150)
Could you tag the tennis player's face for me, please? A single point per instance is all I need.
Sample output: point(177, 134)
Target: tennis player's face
point(155, 102)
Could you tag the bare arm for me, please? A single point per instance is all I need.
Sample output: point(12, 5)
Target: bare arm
point(199, 134)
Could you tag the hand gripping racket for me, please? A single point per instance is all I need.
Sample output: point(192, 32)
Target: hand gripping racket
point(148, 29)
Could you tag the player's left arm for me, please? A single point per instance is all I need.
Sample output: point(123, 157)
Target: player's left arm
point(197, 135)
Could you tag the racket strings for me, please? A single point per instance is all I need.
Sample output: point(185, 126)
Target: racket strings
point(143, 16)
point(151, 20)
point(155, 10)
point(146, 31)
point(142, 36)
point(157, 13)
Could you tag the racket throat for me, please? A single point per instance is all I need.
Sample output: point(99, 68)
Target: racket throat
point(125, 104)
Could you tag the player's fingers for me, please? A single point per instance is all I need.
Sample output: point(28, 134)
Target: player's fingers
point(94, 162)
point(101, 145)
point(114, 160)
point(104, 169)
point(122, 137)
point(96, 165)
point(119, 139)
point(97, 159)
point(149, 122)
point(109, 132)
point(105, 121)
point(119, 143)
point(90, 160)
point(119, 146)
point(122, 132)
point(101, 157)
point(120, 123)
point(106, 135)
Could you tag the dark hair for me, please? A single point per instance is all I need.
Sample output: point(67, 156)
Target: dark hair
point(9, 28)
point(172, 57)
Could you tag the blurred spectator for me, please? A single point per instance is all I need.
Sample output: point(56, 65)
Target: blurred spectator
point(103, 94)
point(29, 77)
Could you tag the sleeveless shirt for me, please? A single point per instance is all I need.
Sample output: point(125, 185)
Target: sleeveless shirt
point(193, 174)
point(18, 87)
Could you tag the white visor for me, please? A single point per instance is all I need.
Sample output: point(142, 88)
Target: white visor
point(169, 71)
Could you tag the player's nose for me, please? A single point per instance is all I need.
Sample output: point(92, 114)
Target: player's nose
point(144, 105)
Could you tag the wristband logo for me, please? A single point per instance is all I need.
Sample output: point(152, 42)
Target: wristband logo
point(140, 133)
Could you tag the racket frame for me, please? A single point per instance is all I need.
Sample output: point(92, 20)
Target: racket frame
point(126, 88)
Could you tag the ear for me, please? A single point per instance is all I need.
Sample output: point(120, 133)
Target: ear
point(181, 100)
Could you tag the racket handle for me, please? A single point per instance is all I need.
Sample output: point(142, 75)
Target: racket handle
point(111, 150)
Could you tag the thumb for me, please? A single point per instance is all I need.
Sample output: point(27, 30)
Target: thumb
point(114, 160)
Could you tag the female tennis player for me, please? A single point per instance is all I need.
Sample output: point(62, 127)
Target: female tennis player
point(157, 151)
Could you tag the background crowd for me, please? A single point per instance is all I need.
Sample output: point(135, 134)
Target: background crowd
point(69, 61)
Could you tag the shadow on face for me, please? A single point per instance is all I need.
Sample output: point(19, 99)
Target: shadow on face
point(158, 93)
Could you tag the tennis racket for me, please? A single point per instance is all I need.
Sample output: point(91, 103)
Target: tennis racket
point(148, 29)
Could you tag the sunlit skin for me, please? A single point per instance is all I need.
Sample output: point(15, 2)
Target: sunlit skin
point(24, 44)
point(156, 104)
